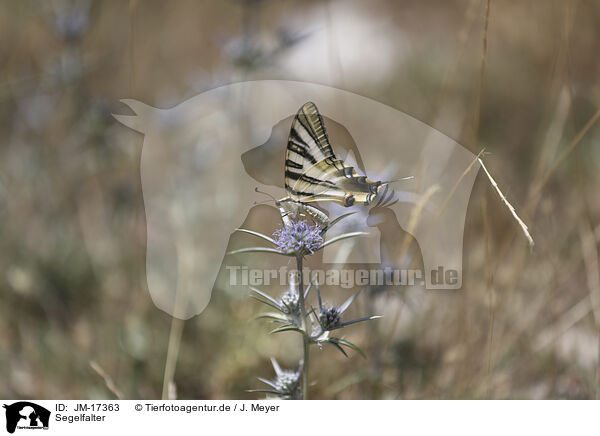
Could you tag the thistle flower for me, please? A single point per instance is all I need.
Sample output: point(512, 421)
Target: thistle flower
point(299, 238)
point(289, 301)
point(288, 305)
point(286, 383)
point(330, 318)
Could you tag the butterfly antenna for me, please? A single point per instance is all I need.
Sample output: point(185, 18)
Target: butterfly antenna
point(264, 193)
point(398, 180)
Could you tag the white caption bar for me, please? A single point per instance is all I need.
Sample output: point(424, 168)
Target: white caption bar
point(300, 417)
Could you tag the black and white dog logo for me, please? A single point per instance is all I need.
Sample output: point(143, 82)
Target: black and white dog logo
point(26, 415)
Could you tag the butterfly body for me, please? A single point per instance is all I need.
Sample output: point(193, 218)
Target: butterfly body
point(313, 173)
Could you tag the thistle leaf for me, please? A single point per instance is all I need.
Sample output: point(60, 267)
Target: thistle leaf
point(308, 290)
point(276, 366)
point(266, 302)
point(264, 295)
point(257, 250)
point(348, 302)
point(354, 321)
point(273, 316)
point(260, 235)
point(265, 391)
point(340, 348)
point(268, 382)
point(319, 297)
point(287, 328)
point(348, 344)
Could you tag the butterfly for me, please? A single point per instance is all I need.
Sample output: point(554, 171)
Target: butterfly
point(313, 174)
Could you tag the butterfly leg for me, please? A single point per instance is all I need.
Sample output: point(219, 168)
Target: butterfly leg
point(287, 211)
point(319, 217)
point(290, 210)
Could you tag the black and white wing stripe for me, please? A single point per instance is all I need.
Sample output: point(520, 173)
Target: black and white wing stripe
point(308, 145)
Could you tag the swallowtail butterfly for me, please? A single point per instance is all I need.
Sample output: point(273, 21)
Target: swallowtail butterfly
point(313, 174)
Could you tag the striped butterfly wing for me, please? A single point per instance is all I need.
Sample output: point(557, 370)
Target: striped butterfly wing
point(311, 168)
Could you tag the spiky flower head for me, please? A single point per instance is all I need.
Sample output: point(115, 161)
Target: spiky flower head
point(289, 301)
point(288, 384)
point(330, 318)
point(299, 237)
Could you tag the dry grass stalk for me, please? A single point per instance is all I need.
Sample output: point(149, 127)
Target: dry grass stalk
point(566, 321)
point(481, 71)
point(508, 205)
point(492, 296)
point(108, 381)
point(590, 260)
point(568, 149)
point(172, 354)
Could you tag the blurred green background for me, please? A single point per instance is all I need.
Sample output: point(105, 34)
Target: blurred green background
point(74, 304)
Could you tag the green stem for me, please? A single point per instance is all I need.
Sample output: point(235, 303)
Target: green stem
point(305, 326)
